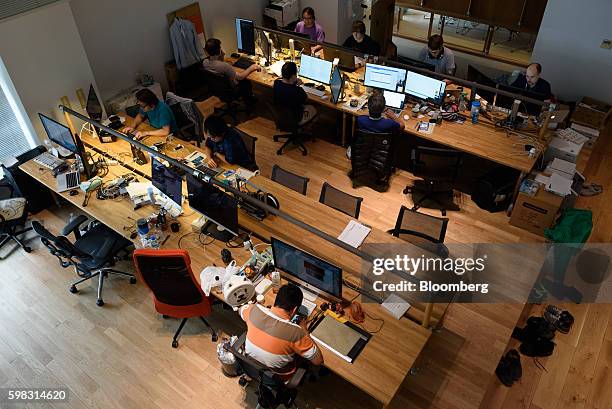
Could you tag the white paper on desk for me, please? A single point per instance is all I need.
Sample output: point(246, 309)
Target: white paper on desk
point(246, 174)
point(354, 233)
point(276, 68)
point(137, 189)
point(396, 306)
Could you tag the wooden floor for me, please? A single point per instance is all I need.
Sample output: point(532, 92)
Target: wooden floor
point(119, 356)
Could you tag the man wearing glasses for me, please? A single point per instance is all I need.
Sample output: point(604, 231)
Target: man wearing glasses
point(437, 55)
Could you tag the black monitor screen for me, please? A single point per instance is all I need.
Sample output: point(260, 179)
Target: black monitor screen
point(58, 133)
point(93, 108)
point(525, 107)
point(336, 85)
point(307, 270)
point(218, 206)
point(245, 35)
point(167, 181)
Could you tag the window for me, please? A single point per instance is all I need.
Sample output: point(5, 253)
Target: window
point(16, 133)
point(13, 7)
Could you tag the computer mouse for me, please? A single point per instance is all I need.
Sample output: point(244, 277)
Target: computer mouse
point(309, 84)
point(406, 117)
point(235, 55)
point(320, 87)
point(74, 192)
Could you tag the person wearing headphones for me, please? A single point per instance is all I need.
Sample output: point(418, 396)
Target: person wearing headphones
point(360, 41)
point(309, 26)
point(436, 54)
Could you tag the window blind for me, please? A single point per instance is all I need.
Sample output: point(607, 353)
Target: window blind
point(13, 141)
point(10, 8)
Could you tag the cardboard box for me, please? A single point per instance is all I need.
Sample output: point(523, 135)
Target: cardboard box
point(591, 112)
point(537, 213)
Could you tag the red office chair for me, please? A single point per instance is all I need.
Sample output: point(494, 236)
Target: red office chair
point(176, 293)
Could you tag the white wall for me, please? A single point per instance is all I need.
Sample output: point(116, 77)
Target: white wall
point(122, 38)
point(44, 56)
point(568, 48)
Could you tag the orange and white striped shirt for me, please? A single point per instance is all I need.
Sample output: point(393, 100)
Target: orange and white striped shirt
point(274, 340)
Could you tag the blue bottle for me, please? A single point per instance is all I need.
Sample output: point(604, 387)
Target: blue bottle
point(475, 111)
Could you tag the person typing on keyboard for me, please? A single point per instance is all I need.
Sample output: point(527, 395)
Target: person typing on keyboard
point(288, 93)
point(225, 141)
point(158, 114)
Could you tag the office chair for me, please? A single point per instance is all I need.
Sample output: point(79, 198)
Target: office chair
point(422, 230)
point(288, 123)
point(372, 159)
point(249, 142)
point(92, 254)
point(13, 212)
point(189, 119)
point(438, 168)
point(272, 390)
point(221, 87)
point(290, 180)
point(175, 291)
point(337, 199)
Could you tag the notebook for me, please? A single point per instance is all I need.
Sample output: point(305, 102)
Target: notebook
point(344, 339)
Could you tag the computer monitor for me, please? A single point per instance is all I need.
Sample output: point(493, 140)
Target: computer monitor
point(58, 133)
point(264, 45)
point(425, 88)
point(394, 100)
point(414, 63)
point(385, 77)
point(336, 85)
point(93, 107)
point(477, 76)
point(167, 181)
point(316, 69)
point(245, 36)
point(219, 207)
point(346, 58)
point(307, 270)
point(507, 102)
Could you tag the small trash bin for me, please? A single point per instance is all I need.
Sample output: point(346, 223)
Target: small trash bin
point(229, 365)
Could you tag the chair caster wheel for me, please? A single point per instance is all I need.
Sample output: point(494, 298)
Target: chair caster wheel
point(175, 344)
point(99, 303)
point(27, 249)
point(242, 381)
point(275, 138)
point(279, 152)
point(73, 289)
point(132, 280)
point(64, 264)
point(214, 338)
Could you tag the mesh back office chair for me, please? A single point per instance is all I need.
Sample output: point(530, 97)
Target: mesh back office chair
point(272, 390)
point(372, 159)
point(176, 293)
point(249, 142)
point(422, 230)
point(13, 212)
point(290, 180)
point(221, 87)
point(337, 199)
point(288, 123)
point(92, 254)
point(439, 169)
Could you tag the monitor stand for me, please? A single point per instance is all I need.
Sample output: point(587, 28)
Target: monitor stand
point(212, 229)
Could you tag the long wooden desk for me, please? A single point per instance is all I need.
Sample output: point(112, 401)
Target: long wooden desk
point(483, 140)
point(383, 364)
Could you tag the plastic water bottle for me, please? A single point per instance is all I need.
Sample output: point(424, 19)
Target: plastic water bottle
point(142, 225)
point(475, 111)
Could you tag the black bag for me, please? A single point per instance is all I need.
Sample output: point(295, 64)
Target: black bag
point(493, 191)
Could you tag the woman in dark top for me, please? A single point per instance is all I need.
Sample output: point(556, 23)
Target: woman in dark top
point(288, 93)
point(360, 41)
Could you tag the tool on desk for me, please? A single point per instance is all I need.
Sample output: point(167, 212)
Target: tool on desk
point(86, 200)
point(165, 240)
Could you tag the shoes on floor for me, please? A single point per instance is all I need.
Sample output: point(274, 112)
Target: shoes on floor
point(509, 369)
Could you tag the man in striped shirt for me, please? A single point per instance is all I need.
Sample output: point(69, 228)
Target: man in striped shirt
point(272, 339)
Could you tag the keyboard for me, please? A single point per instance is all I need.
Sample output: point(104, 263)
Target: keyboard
point(213, 173)
point(243, 63)
point(314, 91)
point(48, 161)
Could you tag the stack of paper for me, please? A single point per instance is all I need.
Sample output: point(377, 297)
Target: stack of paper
point(354, 233)
point(559, 185)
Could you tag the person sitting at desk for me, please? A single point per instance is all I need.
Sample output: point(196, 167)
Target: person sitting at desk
point(157, 112)
point(374, 121)
point(215, 64)
point(273, 340)
point(436, 54)
point(288, 93)
point(226, 141)
point(532, 82)
point(360, 41)
point(309, 26)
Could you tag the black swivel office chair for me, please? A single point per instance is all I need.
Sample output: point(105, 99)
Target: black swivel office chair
point(272, 390)
point(337, 199)
point(249, 142)
point(288, 123)
point(92, 254)
point(438, 168)
point(289, 179)
point(13, 212)
point(372, 159)
point(422, 230)
point(221, 87)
